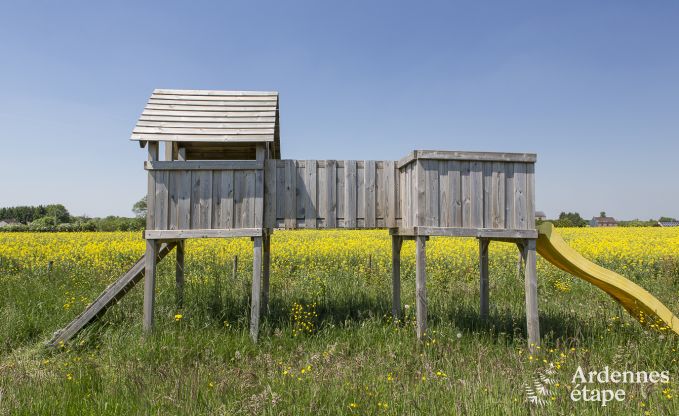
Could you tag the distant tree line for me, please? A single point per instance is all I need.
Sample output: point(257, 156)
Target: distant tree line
point(55, 217)
point(573, 219)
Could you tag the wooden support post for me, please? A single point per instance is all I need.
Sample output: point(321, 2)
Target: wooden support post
point(256, 288)
point(266, 263)
point(531, 282)
point(483, 272)
point(421, 286)
point(179, 274)
point(396, 243)
point(149, 284)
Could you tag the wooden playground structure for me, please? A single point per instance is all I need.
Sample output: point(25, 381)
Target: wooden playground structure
point(222, 176)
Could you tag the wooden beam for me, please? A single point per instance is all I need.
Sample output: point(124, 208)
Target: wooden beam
point(256, 288)
point(179, 274)
point(151, 195)
point(421, 286)
point(266, 263)
point(475, 156)
point(483, 271)
point(531, 283)
point(205, 165)
point(396, 244)
point(490, 233)
point(149, 284)
point(201, 233)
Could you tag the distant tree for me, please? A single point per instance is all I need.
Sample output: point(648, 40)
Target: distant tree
point(58, 212)
point(570, 219)
point(602, 214)
point(667, 219)
point(139, 208)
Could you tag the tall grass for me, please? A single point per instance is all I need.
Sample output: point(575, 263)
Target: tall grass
point(328, 344)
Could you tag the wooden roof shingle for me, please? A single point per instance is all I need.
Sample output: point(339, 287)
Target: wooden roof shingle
point(209, 116)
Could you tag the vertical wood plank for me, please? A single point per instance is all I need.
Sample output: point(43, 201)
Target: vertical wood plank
point(483, 272)
point(331, 194)
point(396, 243)
point(173, 197)
point(300, 192)
point(350, 186)
point(466, 188)
point(370, 194)
point(476, 176)
point(151, 194)
point(249, 200)
point(217, 200)
point(360, 193)
point(520, 196)
point(270, 182)
point(179, 274)
point(421, 193)
point(509, 197)
point(266, 270)
point(454, 172)
point(445, 195)
point(421, 286)
point(432, 189)
point(257, 217)
point(184, 200)
point(390, 200)
point(530, 195)
point(201, 199)
point(161, 200)
point(498, 195)
point(321, 194)
point(290, 194)
point(340, 192)
point(256, 288)
point(310, 182)
point(532, 318)
point(488, 213)
point(149, 284)
point(280, 193)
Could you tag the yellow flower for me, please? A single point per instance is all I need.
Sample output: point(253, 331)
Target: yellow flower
point(178, 317)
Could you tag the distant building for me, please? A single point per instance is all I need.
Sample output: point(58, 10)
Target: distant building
point(540, 215)
point(603, 222)
point(668, 223)
point(8, 222)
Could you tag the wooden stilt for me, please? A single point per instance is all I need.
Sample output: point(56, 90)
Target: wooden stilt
point(483, 271)
point(149, 284)
point(179, 274)
point(396, 243)
point(421, 286)
point(266, 263)
point(531, 282)
point(256, 288)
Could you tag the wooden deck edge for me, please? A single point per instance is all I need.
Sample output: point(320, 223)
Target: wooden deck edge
point(465, 232)
point(181, 234)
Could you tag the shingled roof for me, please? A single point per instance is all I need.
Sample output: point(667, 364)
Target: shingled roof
point(210, 116)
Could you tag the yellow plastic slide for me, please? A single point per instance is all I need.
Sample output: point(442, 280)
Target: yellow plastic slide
point(635, 299)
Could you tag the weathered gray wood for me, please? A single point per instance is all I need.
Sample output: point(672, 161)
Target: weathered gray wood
point(168, 150)
point(530, 195)
point(310, 182)
point(468, 232)
point(331, 194)
point(396, 243)
point(476, 180)
point(421, 286)
point(390, 201)
point(370, 194)
point(520, 214)
point(256, 288)
point(179, 274)
point(109, 297)
point(350, 185)
point(532, 320)
point(469, 156)
point(420, 193)
point(181, 153)
point(488, 214)
point(214, 94)
point(204, 233)
point(183, 199)
point(149, 284)
point(509, 197)
point(466, 199)
point(432, 188)
point(446, 205)
point(258, 191)
point(161, 202)
point(218, 138)
point(290, 194)
point(483, 272)
point(205, 165)
point(270, 201)
point(151, 195)
point(498, 195)
point(201, 199)
point(266, 266)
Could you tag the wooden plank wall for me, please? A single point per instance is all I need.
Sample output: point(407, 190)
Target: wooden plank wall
point(205, 199)
point(468, 194)
point(331, 194)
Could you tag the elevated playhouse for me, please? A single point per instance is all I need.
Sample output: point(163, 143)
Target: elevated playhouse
point(221, 175)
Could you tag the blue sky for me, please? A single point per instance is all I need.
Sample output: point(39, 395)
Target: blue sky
point(591, 87)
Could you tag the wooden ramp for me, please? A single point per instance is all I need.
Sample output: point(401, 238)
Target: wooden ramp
point(108, 298)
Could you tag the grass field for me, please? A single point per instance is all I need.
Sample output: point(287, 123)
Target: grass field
point(328, 344)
